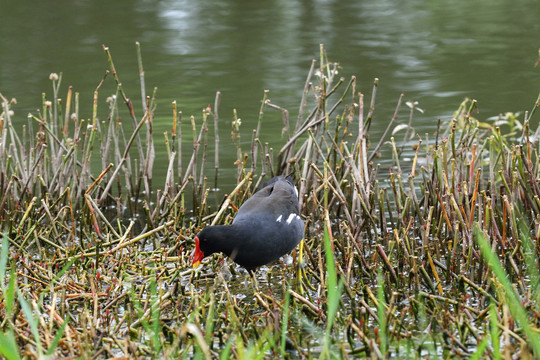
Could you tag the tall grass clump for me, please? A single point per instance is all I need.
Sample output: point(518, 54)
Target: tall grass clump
point(431, 252)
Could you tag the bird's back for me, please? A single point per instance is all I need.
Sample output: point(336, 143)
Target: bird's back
point(270, 223)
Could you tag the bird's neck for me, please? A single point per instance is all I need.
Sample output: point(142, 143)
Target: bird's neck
point(222, 238)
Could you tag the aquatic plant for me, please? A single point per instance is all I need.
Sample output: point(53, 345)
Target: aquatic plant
point(436, 258)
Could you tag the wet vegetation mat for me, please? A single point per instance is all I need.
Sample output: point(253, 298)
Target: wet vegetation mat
point(432, 255)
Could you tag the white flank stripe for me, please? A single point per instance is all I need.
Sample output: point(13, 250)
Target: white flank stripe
point(291, 218)
point(279, 218)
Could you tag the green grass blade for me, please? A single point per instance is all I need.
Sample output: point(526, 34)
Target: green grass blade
point(333, 292)
point(10, 293)
point(32, 321)
point(260, 348)
point(381, 313)
point(512, 299)
point(210, 318)
point(225, 354)
point(57, 338)
point(478, 354)
point(64, 269)
point(155, 324)
point(494, 332)
point(8, 346)
point(530, 258)
point(285, 321)
point(3, 259)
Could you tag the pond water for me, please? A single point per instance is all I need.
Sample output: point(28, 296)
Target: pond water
point(436, 53)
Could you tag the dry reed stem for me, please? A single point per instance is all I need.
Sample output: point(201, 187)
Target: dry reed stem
point(132, 277)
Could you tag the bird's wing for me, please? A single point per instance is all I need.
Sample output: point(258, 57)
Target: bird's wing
point(270, 201)
point(255, 204)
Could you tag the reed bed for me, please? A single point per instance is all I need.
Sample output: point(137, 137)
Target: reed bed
point(435, 257)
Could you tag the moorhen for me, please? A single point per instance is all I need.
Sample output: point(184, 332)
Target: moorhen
point(267, 226)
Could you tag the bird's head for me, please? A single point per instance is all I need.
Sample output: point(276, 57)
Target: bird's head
point(202, 248)
point(198, 255)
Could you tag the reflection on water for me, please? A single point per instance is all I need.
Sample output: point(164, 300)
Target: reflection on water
point(436, 53)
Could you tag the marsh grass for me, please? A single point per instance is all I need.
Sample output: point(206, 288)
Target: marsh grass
point(435, 257)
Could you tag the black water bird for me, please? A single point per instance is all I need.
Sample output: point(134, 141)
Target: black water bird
point(268, 225)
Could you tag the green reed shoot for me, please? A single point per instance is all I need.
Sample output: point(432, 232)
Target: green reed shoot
point(517, 310)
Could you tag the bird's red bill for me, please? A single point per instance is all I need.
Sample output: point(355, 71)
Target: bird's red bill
point(198, 255)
